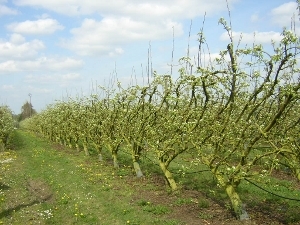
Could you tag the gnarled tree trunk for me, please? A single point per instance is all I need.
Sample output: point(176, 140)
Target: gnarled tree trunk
point(168, 176)
point(236, 203)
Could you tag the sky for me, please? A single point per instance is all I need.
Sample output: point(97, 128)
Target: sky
point(55, 49)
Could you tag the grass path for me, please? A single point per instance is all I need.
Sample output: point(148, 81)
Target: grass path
point(43, 185)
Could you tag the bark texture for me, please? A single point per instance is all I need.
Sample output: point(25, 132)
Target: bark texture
point(236, 203)
point(137, 169)
point(168, 176)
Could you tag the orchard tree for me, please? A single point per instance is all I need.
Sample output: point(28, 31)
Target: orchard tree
point(288, 139)
point(6, 125)
point(240, 111)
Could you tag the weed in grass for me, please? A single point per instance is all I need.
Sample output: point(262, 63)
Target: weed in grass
point(45, 214)
point(292, 216)
point(143, 202)
point(203, 203)
point(132, 222)
point(126, 211)
point(156, 209)
point(122, 172)
point(183, 201)
point(205, 216)
point(158, 221)
point(64, 199)
point(106, 188)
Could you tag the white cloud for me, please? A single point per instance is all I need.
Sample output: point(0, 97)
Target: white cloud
point(59, 64)
point(255, 37)
point(18, 48)
point(41, 64)
point(105, 36)
point(282, 15)
point(40, 26)
point(6, 87)
point(17, 39)
point(4, 10)
point(38, 90)
point(70, 76)
point(58, 79)
point(125, 21)
point(43, 16)
point(156, 9)
point(116, 51)
point(8, 67)
point(41, 79)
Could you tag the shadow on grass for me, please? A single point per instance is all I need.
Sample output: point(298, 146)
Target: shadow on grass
point(16, 141)
point(9, 211)
point(4, 186)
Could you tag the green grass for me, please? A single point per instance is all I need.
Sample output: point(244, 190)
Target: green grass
point(45, 183)
point(78, 189)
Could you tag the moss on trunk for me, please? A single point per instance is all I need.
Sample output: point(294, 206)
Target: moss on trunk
point(2, 146)
point(99, 150)
point(77, 147)
point(168, 176)
point(115, 160)
point(236, 203)
point(137, 169)
point(85, 148)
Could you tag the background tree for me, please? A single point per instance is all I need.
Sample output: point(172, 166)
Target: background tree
point(27, 111)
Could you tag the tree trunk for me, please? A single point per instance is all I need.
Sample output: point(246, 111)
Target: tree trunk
point(85, 148)
point(70, 145)
point(135, 154)
point(115, 159)
point(168, 176)
point(99, 150)
point(236, 203)
point(137, 169)
point(2, 146)
point(60, 140)
point(100, 157)
point(77, 147)
point(136, 165)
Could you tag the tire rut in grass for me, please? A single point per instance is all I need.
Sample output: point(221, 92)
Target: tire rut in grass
point(39, 191)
